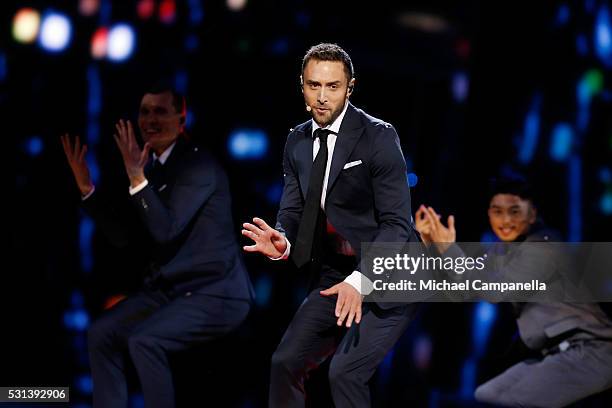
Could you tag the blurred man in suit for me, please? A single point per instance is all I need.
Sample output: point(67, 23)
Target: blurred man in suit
point(344, 184)
point(574, 340)
point(196, 286)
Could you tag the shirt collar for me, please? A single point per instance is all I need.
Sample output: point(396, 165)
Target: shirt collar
point(164, 156)
point(335, 125)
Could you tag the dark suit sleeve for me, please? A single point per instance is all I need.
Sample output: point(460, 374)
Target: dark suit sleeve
point(165, 222)
point(291, 204)
point(390, 186)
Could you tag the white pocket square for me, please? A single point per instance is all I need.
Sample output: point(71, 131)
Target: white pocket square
point(351, 164)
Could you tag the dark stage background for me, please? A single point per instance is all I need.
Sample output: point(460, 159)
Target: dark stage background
point(474, 88)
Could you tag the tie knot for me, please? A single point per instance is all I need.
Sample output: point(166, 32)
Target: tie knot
point(322, 134)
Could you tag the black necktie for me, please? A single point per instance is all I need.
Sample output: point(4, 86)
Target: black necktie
point(156, 173)
point(305, 237)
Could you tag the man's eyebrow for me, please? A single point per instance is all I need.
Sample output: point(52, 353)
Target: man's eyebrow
point(311, 82)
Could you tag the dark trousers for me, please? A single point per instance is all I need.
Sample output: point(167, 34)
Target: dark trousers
point(149, 326)
point(313, 336)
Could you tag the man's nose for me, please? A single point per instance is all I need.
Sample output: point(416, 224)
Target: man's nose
point(322, 97)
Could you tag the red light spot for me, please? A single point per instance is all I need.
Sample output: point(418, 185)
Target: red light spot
point(167, 11)
point(145, 9)
point(113, 300)
point(99, 43)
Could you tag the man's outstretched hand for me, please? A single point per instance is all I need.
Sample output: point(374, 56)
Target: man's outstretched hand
point(268, 241)
point(134, 158)
point(348, 305)
point(75, 154)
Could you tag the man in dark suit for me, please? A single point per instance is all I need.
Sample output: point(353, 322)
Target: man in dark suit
point(344, 184)
point(574, 340)
point(196, 286)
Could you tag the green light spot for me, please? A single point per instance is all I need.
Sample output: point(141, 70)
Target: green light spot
point(594, 80)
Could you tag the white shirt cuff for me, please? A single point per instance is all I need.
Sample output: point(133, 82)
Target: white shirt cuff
point(360, 282)
point(86, 196)
point(134, 190)
point(285, 254)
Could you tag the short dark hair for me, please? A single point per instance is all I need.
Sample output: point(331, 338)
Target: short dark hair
point(178, 99)
point(329, 52)
point(515, 184)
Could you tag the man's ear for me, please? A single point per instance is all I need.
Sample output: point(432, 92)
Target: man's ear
point(302, 83)
point(351, 86)
point(533, 213)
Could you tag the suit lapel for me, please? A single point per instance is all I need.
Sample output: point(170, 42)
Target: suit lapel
point(351, 130)
point(303, 157)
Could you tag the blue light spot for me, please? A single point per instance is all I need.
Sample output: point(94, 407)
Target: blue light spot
point(461, 86)
point(583, 94)
point(245, 144)
point(413, 179)
point(575, 196)
point(563, 14)
point(34, 146)
point(582, 45)
point(105, 12)
point(280, 46)
point(302, 19)
point(94, 103)
point(531, 130)
point(196, 12)
point(263, 290)
point(86, 230)
point(94, 169)
point(603, 35)
point(484, 317)
point(76, 299)
point(605, 176)
point(180, 81)
point(84, 384)
point(274, 192)
point(561, 144)
point(468, 379)
point(606, 203)
point(192, 42)
point(191, 119)
point(76, 319)
point(3, 67)
point(93, 132)
point(589, 6)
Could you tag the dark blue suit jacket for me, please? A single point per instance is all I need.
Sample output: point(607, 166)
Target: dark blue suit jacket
point(185, 212)
point(367, 202)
